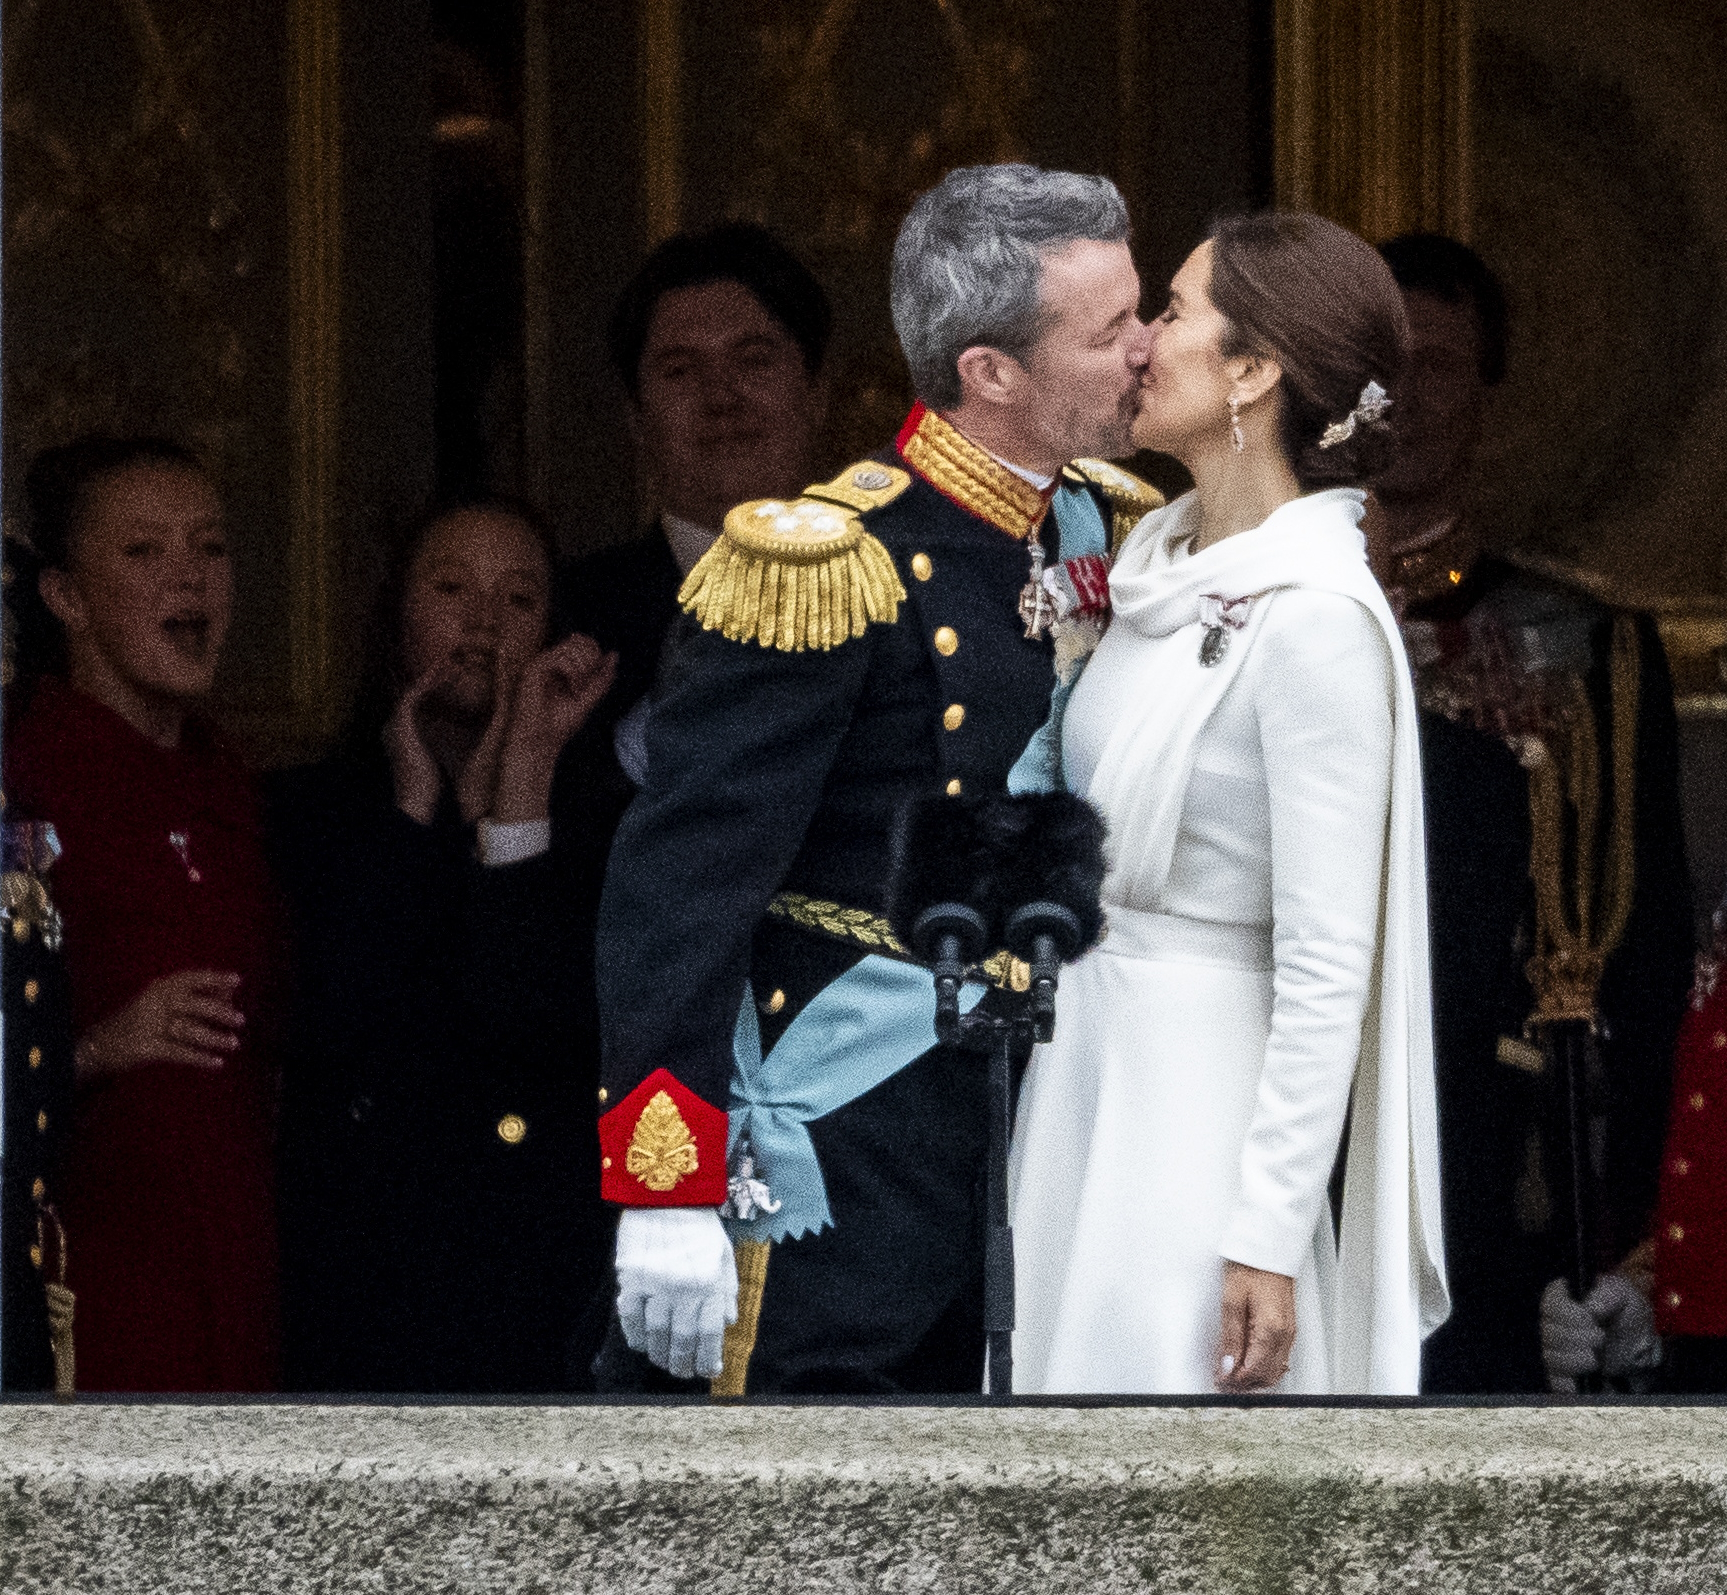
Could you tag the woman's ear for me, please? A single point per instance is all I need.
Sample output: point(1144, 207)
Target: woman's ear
point(1252, 376)
point(65, 603)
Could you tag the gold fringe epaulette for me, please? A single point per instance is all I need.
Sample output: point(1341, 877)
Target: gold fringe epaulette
point(796, 575)
point(1130, 499)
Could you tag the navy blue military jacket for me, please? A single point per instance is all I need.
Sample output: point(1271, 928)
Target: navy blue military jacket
point(782, 770)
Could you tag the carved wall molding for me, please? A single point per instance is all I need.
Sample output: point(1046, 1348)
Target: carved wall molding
point(315, 357)
point(1373, 113)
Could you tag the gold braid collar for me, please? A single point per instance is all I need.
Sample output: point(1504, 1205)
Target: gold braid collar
point(972, 477)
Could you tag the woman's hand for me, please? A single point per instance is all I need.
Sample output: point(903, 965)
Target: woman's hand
point(477, 785)
point(557, 691)
point(188, 1017)
point(413, 770)
point(1258, 1328)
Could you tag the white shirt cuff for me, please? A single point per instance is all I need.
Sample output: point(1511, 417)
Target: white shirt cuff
point(511, 841)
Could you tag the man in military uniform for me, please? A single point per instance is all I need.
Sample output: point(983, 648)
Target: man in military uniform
point(35, 1307)
point(881, 639)
point(1515, 670)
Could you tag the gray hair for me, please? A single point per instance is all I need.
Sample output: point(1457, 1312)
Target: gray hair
point(968, 263)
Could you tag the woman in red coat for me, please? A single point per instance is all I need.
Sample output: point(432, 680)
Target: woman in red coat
point(173, 934)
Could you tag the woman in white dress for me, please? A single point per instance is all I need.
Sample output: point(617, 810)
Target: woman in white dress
point(1247, 729)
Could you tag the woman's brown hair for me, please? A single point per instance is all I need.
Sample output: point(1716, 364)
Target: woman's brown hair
point(1323, 304)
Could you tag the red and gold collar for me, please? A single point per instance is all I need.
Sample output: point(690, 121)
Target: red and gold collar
point(974, 479)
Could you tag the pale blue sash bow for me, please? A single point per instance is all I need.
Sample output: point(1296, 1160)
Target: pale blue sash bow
point(857, 1032)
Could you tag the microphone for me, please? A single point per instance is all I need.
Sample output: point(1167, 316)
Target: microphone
point(941, 896)
point(972, 874)
point(1058, 868)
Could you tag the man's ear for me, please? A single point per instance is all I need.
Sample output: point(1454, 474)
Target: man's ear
point(1252, 376)
point(65, 603)
point(990, 376)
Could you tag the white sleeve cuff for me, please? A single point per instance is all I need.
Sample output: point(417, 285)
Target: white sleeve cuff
point(1272, 1242)
point(511, 841)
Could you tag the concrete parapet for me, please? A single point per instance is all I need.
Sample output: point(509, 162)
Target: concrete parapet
point(756, 1500)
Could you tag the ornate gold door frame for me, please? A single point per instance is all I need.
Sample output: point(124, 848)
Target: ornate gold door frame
point(1372, 113)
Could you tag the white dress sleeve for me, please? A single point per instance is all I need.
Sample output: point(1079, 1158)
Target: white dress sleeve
point(1322, 692)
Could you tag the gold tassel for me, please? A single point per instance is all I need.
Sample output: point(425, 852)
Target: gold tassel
point(1573, 942)
point(740, 1343)
point(61, 1303)
point(794, 577)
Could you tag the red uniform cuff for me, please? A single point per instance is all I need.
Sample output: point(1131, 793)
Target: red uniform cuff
point(663, 1146)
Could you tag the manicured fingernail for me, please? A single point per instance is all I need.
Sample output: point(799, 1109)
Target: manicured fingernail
point(1227, 1366)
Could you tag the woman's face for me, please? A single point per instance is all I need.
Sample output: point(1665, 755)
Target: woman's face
point(477, 605)
point(1185, 388)
point(148, 582)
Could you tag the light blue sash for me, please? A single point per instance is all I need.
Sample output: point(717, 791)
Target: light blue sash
point(857, 1032)
point(1038, 769)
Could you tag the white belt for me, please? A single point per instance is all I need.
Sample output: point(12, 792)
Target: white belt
point(1175, 939)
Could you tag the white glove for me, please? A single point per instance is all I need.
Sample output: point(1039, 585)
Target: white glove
point(677, 1287)
point(1610, 1332)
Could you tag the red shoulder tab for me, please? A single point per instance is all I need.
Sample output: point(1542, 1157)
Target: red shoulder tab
point(663, 1146)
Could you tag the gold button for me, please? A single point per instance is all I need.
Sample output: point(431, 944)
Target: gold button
point(35, 1057)
point(602, 1093)
point(511, 1128)
point(20, 930)
point(1697, 1101)
point(921, 567)
point(42, 1121)
point(36, 1256)
point(1673, 1298)
point(1675, 1232)
point(32, 989)
point(1682, 1166)
point(946, 641)
point(605, 1162)
point(38, 1190)
point(774, 1003)
point(954, 718)
point(953, 787)
point(1720, 1039)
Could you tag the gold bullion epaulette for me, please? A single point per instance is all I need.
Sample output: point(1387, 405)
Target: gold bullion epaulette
point(801, 573)
point(1130, 499)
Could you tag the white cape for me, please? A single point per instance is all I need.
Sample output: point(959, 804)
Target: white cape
point(1388, 1290)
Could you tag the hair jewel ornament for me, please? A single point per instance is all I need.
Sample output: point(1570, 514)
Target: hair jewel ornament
point(1370, 407)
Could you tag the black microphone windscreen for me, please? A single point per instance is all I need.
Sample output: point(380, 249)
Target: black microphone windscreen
point(940, 856)
point(994, 854)
point(1057, 857)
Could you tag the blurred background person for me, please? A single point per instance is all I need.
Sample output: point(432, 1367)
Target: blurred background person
point(719, 341)
point(173, 933)
point(1496, 649)
point(442, 1223)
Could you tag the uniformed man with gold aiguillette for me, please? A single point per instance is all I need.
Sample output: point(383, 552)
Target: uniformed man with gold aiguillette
point(771, 1075)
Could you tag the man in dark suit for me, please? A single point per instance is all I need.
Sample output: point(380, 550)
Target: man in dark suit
point(719, 342)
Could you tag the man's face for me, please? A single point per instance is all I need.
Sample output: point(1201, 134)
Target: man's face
point(726, 411)
point(1440, 401)
point(1085, 366)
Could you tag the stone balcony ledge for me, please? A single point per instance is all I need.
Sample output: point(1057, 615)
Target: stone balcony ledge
point(570, 1499)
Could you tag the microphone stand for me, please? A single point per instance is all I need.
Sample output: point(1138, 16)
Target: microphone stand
point(1029, 1017)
